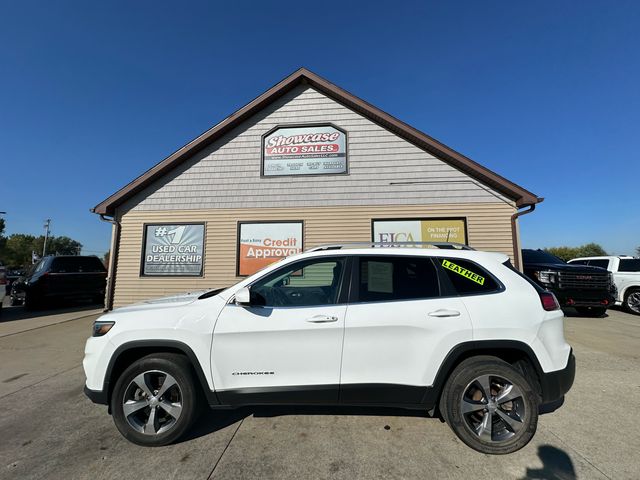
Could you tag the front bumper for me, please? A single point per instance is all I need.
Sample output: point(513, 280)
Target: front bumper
point(556, 384)
point(584, 298)
point(96, 396)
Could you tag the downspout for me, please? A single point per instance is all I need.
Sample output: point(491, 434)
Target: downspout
point(115, 244)
point(514, 230)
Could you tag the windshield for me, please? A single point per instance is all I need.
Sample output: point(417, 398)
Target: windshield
point(539, 256)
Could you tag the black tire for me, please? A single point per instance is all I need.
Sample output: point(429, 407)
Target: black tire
point(630, 301)
point(591, 311)
point(521, 410)
point(14, 302)
point(187, 390)
point(32, 302)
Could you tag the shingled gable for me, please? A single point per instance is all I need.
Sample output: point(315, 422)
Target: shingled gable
point(521, 196)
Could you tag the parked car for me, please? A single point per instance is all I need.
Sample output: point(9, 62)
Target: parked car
point(61, 278)
point(3, 283)
point(457, 333)
point(626, 276)
point(12, 275)
point(589, 289)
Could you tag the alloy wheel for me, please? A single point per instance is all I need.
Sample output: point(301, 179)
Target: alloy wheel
point(152, 402)
point(633, 302)
point(493, 408)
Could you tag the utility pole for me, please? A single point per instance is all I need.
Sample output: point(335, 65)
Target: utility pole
point(47, 224)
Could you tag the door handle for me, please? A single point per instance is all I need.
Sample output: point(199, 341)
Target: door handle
point(443, 312)
point(322, 319)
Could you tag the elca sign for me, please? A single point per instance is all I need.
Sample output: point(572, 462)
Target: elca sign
point(304, 150)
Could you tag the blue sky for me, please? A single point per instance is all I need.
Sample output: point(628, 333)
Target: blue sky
point(545, 93)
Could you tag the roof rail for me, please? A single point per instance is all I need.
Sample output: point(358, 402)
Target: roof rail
point(340, 246)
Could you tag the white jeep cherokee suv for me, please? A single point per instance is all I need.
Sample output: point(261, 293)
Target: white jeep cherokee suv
point(457, 333)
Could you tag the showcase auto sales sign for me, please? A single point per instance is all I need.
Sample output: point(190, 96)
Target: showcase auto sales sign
point(304, 150)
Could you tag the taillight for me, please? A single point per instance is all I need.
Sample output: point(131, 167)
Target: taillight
point(549, 301)
point(3, 281)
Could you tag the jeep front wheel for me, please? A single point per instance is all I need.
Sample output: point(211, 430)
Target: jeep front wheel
point(155, 400)
point(490, 405)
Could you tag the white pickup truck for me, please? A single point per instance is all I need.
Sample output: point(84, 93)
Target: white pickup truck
point(626, 276)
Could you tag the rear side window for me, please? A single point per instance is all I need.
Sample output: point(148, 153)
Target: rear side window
point(467, 278)
point(91, 264)
point(389, 278)
point(64, 265)
point(603, 263)
point(629, 265)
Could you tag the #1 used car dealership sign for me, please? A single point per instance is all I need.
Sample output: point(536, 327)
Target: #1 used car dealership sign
point(173, 250)
point(304, 150)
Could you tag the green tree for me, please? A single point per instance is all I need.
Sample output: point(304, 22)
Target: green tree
point(3, 240)
point(587, 250)
point(63, 246)
point(18, 248)
point(106, 259)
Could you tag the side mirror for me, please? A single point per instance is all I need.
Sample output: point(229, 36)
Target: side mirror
point(243, 296)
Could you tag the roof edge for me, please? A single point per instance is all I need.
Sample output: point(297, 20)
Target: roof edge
point(520, 195)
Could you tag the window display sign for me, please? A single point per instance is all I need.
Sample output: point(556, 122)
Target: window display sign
point(420, 230)
point(173, 250)
point(304, 150)
point(262, 243)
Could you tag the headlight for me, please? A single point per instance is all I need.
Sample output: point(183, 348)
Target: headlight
point(545, 276)
point(101, 328)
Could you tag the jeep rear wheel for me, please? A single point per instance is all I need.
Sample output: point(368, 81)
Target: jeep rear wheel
point(155, 400)
point(490, 405)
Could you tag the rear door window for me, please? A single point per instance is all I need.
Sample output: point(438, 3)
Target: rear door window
point(391, 278)
point(65, 265)
point(466, 277)
point(603, 263)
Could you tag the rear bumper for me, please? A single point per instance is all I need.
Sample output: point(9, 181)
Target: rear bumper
point(556, 384)
point(96, 396)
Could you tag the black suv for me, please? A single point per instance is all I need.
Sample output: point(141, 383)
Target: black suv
point(61, 278)
point(589, 289)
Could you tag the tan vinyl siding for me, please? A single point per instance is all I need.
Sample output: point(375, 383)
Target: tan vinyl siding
point(488, 228)
point(383, 168)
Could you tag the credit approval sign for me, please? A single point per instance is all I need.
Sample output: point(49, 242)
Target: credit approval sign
point(262, 243)
point(304, 150)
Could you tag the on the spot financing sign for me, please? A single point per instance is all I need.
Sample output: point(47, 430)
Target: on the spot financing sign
point(304, 150)
point(173, 250)
point(420, 230)
point(261, 244)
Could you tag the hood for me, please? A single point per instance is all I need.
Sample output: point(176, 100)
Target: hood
point(564, 267)
point(171, 301)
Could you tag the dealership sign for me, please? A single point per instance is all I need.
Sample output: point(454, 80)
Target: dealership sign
point(173, 250)
point(420, 230)
point(262, 243)
point(304, 150)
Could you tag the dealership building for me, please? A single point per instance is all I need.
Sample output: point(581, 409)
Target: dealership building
point(305, 163)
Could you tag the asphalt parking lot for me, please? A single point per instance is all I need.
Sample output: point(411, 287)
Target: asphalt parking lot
point(49, 430)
